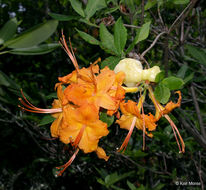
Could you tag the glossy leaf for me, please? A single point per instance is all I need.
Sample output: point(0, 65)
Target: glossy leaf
point(93, 6)
point(35, 50)
point(173, 83)
point(107, 40)
point(160, 76)
point(46, 120)
point(111, 62)
point(61, 17)
point(106, 118)
point(142, 34)
point(162, 93)
point(77, 6)
point(120, 36)
point(34, 36)
point(88, 38)
point(8, 30)
point(150, 4)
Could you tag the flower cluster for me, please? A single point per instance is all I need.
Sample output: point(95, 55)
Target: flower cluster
point(84, 93)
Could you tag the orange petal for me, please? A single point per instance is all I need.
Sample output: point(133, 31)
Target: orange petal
point(72, 77)
point(150, 122)
point(105, 101)
point(56, 104)
point(101, 154)
point(105, 80)
point(125, 121)
point(68, 134)
point(78, 94)
point(170, 106)
point(56, 126)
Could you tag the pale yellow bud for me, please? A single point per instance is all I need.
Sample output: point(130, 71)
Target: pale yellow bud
point(132, 68)
point(134, 72)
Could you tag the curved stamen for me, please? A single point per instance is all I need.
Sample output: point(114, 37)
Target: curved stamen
point(125, 143)
point(65, 166)
point(31, 108)
point(69, 53)
point(143, 146)
point(174, 128)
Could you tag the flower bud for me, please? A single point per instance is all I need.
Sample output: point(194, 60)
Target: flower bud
point(133, 70)
point(150, 74)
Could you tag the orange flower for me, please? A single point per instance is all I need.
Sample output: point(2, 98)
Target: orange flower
point(163, 112)
point(96, 93)
point(83, 75)
point(82, 128)
point(117, 92)
point(129, 111)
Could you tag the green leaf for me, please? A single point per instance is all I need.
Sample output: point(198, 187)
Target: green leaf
point(106, 118)
point(150, 4)
point(114, 177)
point(35, 50)
point(99, 180)
point(160, 76)
point(88, 38)
point(46, 120)
point(188, 78)
point(8, 30)
point(182, 71)
point(162, 93)
point(77, 6)
point(197, 53)
point(120, 36)
point(93, 6)
point(33, 36)
point(131, 186)
point(88, 22)
point(181, 2)
point(130, 5)
point(111, 62)
point(173, 83)
point(3, 80)
point(107, 40)
point(142, 34)
point(61, 17)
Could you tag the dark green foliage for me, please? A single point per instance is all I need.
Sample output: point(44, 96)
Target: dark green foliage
point(110, 29)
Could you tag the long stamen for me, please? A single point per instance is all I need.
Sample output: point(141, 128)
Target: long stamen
point(143, 146)
point(67, 50)
point(174, 128)
point(65, 166)
point(31, 108)
point(79, 136)
point(125, 143)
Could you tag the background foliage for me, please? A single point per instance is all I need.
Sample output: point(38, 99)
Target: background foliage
point(167, 33)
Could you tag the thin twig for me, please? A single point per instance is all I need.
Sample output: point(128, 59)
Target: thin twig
point(182, 15)
point(197, 108)
point(131, 26)
point(160, 17)
point(153, 43)
point(191, 129)
point(139, 165)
